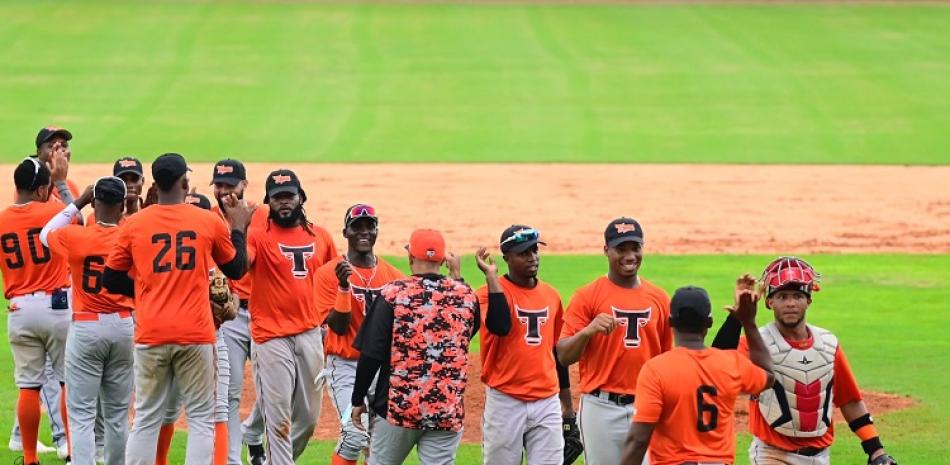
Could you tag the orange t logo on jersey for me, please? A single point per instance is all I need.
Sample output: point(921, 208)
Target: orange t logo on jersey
point(633, 320)
point(225, 169)
point(532, 319)
point(625, 228)
point(280, 178)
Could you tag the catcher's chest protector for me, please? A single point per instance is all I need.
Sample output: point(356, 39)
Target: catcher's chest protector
point(800, 403)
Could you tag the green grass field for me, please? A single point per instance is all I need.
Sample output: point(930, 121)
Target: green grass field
point(889, 312)
point(477, 83)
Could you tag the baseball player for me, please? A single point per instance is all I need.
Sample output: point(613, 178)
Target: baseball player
point(223, 307)
point(229, 177)
point(99, 346)
point(792, 422)
point(36, 283)
point(346, 286)
point(285, 326)
point(169, 248)
point(52, 149)
point(416, 336)
point(525, 413)
point(685, 397)
point(613, 326)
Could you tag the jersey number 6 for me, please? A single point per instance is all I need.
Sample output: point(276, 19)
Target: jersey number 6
point(184, 254)
point(702, 409)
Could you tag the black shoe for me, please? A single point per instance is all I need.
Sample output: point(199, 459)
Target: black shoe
point(255, 454)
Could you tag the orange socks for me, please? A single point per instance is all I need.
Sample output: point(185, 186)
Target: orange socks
point(164, 443)
point(337, 460)
point(65, 418)
point(28, 412)
point(220, 443)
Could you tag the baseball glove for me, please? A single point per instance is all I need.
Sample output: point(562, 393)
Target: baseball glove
point(224, 304)
point(573, 447)
point(884, 459)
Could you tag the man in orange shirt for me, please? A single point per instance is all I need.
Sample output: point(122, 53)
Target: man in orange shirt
point(285, 323)
point(346, 286)
point(36, 283)
point(169, 248)
point(99, 346)
point(685, 397)
point(528, 402)
point(792, 422)
point(229, 177)
point(613, 326)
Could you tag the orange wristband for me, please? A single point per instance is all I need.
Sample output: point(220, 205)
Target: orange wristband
point(866, 432)
point(342, 303)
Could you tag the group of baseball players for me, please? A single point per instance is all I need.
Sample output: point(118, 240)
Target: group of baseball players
point(163, 295)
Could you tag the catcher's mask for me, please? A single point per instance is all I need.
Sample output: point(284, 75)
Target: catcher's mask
point(792, 273)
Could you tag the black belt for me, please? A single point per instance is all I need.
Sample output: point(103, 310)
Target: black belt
point(243, 303)
point(621, 399)
point(808, 451)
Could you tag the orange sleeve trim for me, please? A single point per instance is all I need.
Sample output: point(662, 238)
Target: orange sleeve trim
point(342, 302)
point(866, 432)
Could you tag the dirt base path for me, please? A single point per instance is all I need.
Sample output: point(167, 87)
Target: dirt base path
point(683, 208)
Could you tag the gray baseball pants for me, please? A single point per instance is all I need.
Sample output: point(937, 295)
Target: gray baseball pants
point(237, 337)
point(604, 426)
point(512, 427)
point(340, 375)
point(761, 453)
point(390, 445)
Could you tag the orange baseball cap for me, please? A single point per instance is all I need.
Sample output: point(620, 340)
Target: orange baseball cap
point(427, 245)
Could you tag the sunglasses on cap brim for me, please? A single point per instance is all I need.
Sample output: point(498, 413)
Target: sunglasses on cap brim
point(522, 235)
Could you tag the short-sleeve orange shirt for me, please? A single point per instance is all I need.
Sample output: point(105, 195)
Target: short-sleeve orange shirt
point(689, 395)
point(283, 277)
point(86, 249)
point(27, 264)
point(364, 288)
point(521, 364)
point(845, 390)
point(169, 250)
point(612, 361)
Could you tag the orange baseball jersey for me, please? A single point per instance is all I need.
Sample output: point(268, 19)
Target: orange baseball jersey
point(611, 361)
point(521, 364)
point(690, 396)
point(169, 249)
point(86, 249)
point(284, 279)
point(27, 265)
point(242, 287)
point(845, 389)
point(364, 288)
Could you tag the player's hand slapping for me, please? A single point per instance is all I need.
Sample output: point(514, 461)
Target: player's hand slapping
point(486, 262)
point(237, 211)
point(746, 299)
point(59, 164)
point(85, 198)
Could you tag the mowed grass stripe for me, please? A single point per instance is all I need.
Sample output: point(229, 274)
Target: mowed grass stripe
point(889, 312)
point(785, 83)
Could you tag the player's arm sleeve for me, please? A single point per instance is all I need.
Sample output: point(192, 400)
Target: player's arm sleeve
point(232, 252)
point(728, 335)
point(115, 277)
point(498, 314)
point(752, 378)
point(845, 386)
point(61, 219)
point(118, 282)
point(477, 317)
point(563, 375)
point(648, 403)
point(374, 341)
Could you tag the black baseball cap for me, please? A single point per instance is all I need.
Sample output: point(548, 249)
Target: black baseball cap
point(30, 174)
point(229, 171)
point(127, 165)
point(282, 180)
point(198, 200)
point(49, 132)
point(518, 237)
point(690, 307)
point(168, 167)
point(110, 190)
point(622, 230)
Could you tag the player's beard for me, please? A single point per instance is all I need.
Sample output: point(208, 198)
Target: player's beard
point(293, 220)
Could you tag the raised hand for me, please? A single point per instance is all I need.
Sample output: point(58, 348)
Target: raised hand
point(343, 271)
point(486, 262)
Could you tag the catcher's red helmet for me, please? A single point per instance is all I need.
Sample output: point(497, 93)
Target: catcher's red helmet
point(790, 273)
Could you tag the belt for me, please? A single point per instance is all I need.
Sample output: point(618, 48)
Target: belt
point(621, 399)
point(808, 451)
point(90, 316)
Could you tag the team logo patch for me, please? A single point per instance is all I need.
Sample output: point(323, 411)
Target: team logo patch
point(430, 253)
point(224, 169)
point(532, 319)
point(127, 163)
point(365, 295)
point(192, 199)
point(625, 228)
point(632, 320)
point(298, 256)
point(281, 178)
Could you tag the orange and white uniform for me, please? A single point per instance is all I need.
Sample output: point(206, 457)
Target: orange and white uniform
point(689, 395)
point(611, 362)
point(522, 410)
